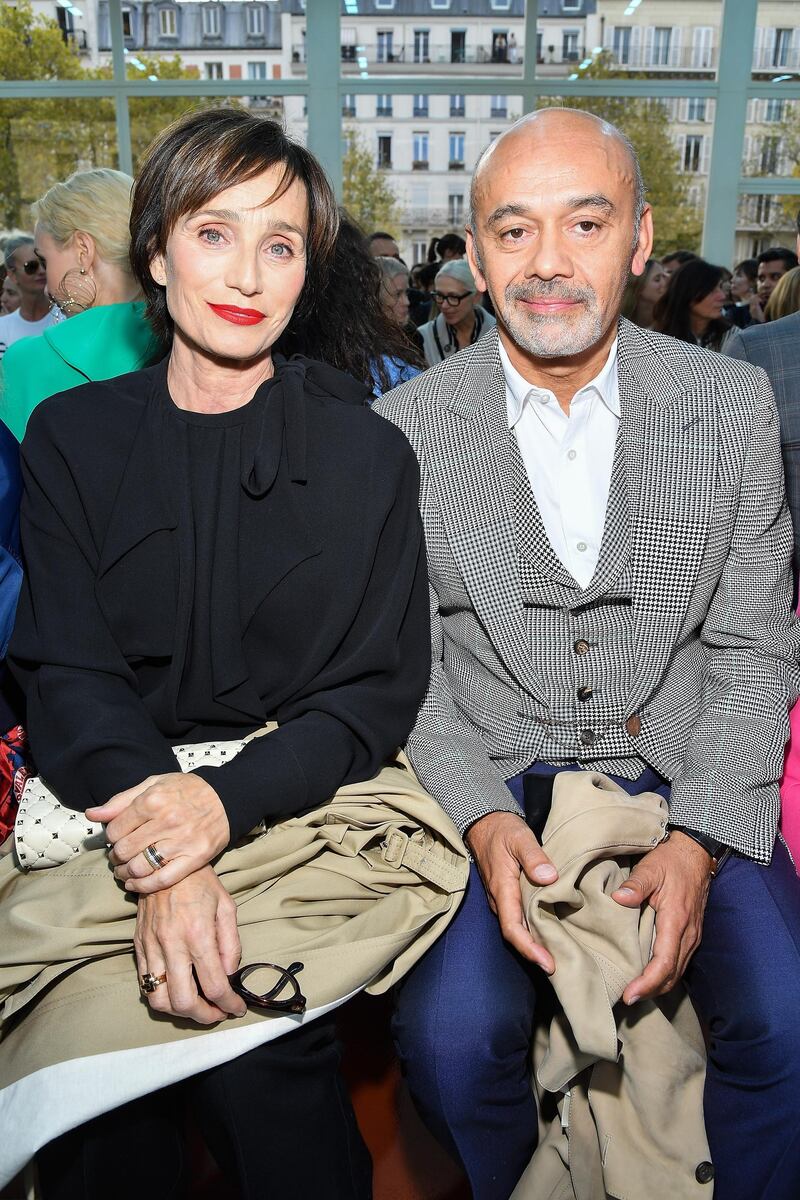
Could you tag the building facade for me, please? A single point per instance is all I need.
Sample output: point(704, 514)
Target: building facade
point(427, 143)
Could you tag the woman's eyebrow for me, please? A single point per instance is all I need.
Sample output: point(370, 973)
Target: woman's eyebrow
point(236, 218)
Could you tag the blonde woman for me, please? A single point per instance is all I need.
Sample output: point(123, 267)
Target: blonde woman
point(785, 299)
point(82, 241)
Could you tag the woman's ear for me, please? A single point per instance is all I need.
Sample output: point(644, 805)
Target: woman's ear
point(86, 249)
point(158, 270)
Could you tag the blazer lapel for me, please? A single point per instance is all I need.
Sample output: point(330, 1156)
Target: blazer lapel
point(469, 450)
point(670, 439)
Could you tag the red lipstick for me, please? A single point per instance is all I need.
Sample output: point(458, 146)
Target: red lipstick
point(237, 316)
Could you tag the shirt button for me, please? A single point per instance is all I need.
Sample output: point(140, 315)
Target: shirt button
point(581, 546)
point(585, 692)
point(572, 455)
point(581, 647)
point(587, 737)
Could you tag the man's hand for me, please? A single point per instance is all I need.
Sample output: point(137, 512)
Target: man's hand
point(180, 814)
point(503, 847)
point(756, 310)
point(674, 879)
point(189, 933)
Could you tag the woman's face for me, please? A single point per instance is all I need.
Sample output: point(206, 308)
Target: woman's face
point(710, 307)
point(741, 286)
point(10, 298)
point(449, 288)
point(57, 261)
point(394, 298)
point(654, 285)
point(234, 271)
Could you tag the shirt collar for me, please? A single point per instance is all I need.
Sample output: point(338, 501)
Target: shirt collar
point(518, 389)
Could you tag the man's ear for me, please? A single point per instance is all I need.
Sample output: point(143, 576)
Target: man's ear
point(644, 242)
point(474, 260)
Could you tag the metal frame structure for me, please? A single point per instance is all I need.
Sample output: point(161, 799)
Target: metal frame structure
point(324, 85)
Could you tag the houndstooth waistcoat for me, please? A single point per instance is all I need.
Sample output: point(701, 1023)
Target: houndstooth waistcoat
point(694, 676)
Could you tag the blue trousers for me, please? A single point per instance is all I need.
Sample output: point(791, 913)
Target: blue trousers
point(464, 1016)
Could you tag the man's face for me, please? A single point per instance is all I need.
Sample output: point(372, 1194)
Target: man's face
point(554, 234)
point(769, 273)
point(27, 272)
point(384, 248)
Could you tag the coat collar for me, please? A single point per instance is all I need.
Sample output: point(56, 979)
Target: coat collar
point(90, 341)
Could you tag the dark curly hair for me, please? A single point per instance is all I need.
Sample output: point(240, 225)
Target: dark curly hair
point(197, 157)
point(346, 325)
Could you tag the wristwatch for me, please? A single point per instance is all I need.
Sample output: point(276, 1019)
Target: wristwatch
point(718, 850)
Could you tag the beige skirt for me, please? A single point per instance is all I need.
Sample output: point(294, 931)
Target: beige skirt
point(356, 890)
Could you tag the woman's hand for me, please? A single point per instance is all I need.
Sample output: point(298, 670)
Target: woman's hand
point(180, 814)
point(189, 933)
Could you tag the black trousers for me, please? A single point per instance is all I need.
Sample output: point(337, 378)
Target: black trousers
point(277, 1120)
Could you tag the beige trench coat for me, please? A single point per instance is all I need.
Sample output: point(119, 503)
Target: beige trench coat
point(629, 1081)
point(356, 890)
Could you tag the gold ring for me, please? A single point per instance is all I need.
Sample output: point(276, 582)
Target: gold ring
point(150, 982)
point(156, 860)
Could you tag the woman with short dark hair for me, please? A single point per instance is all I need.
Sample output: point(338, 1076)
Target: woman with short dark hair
point(691, 307)
point(222, 541)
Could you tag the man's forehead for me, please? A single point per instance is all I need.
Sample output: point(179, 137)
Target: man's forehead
point(522, 172)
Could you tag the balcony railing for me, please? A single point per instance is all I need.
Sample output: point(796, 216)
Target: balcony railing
point(663, 57)
point(411, 56)
point(777, 60)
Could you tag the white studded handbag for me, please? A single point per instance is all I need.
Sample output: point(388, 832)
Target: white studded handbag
point(48, 834)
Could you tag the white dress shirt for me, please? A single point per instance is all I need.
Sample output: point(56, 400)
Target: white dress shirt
point(568, 459)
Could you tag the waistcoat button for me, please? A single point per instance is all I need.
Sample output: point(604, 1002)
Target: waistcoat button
point(587, 737)
point(633, 725)
point(585, 692)
point(704, 1172)
point(581, 647)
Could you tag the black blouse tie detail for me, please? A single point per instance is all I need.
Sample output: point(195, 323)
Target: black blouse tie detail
point(282, 427)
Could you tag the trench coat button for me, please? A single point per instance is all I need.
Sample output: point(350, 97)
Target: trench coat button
point(704, 1172)
point(633, 725)
point(585, 692)
point(588, 737)
point(581, 646)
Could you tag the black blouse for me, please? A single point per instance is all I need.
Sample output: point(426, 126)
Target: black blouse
point(191, 576)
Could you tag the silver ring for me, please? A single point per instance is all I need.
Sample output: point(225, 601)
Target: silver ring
point(156, 860)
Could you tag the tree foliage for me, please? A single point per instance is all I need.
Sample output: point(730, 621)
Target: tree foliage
point(366, 192)
point(42, 141)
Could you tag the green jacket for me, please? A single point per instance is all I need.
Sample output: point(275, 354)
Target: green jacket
point(100, 343)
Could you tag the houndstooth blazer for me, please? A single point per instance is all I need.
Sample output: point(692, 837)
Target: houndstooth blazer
point(717, 645)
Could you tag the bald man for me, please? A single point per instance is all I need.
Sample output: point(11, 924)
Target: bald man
point(609, 552)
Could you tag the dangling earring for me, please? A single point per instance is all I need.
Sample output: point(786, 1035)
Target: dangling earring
point(76, 292)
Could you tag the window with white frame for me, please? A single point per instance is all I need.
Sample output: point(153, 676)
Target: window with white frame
point(696, 108)
point(167, 22)
point(692, 152)
point(498, 106)
point(458, 106)
point(257, 70)
point(783, 46)
point(348, 105)
point(213, 70)
point(501, 5)
point(255, 20)
point(422, 45)
point(385, 150)
point(455, 208)
point(456, 142)
point(774, 109)
point(571, 6)
point(420, 149)
point(622, 43)
point(421, 106)
point(385, 4)
point(419, 250)
point(127, 29)
point(570, 45)
point(211, 20)
point(383, 106)
point(385, 45)
point(440, 3)
point(662, 40)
